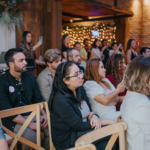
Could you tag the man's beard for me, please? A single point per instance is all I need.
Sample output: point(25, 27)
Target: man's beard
point(17, 69)
point(78, 63)
point(54, 68)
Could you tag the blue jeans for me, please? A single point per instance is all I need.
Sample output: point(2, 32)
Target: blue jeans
point(2, 136)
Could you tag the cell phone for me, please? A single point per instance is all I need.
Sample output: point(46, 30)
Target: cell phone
point(41, 38)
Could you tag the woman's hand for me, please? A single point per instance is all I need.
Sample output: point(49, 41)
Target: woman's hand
point(120, 87)
point(95, 122)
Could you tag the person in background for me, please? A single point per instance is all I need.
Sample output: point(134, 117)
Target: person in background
point(3, 142)
point(28, 49)
point(87, 48)
point(131, 51)
point(145, 51)
point(65, 47)
point(105, 50)
point(95, 52)
point(52, 58)
point(82, 52)
point(19, 88)
point(135, 108)
point(115, 49)
point(71, 113)
point(115, 69)
point(103, 96)
point(73, 55)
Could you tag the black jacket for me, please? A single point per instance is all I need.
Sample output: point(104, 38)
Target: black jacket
point(66, 121)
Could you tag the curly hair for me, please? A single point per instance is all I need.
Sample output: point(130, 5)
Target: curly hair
point(114, 66)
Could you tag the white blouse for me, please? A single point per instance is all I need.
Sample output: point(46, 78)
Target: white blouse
point(135, 111)
point(95, 52)
point(93, 89)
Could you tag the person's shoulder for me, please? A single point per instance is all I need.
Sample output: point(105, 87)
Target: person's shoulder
point(90, 83)
point(107, 80)
point(43, 74)
point(3, 77)
point(28, 75)
point(110, 77)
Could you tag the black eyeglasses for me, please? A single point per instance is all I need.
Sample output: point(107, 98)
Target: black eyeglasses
point(77, 75)
point(21, 88)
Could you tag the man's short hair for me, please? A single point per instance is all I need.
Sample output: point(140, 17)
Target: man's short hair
point(69, 53)
point(114, 44)
point(143, 50)
point(85, 40)
point(51, 55)
point(76, 43)
point(104, 40)
point(10, 53)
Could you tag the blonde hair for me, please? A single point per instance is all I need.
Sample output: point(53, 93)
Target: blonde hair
point(137, 76)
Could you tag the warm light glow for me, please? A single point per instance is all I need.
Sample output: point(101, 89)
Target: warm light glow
point(136, 2)
point(146, 1)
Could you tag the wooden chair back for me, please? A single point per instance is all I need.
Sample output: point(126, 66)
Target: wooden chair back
point(35, 110)
point(49, 125)
point(86, 147)
point(116, 130)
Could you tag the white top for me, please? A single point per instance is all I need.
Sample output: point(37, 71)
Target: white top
point(95, 52)
point(135, 111)
point(93, 89)
point(85, 111)
point(111, 52)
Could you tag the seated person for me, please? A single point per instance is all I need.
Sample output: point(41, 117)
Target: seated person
point(115, 69)
point(145, 51)
point(135, 108)
point(3, 142)
point(73, 55)
point(115, 49)
point(19, 88)
point(101, 93)
point(52, 58)
point(71, 114)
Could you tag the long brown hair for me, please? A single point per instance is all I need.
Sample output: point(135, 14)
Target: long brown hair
point(91, 72)
point(114, 66)
point(129, 43)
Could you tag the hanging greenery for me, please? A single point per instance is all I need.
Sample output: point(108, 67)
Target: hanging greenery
point(11, 12)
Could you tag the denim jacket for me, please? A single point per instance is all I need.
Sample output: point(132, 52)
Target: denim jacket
point(2, 136)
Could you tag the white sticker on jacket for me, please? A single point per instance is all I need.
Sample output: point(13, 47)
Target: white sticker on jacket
point(11, 89)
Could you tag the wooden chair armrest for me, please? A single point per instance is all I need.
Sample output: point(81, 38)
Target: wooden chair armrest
point(95, 135)
point(19, 110)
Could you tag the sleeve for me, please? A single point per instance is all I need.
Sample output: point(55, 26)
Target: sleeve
point(4, 99)
point(63, 49)
point(141, 116)
point(110, 52)
point(69, 116)
point(93, 89)
point(2, 136)
point(44, 86)
point(37, 98)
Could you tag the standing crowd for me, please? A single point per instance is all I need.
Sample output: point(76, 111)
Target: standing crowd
point(86, 88)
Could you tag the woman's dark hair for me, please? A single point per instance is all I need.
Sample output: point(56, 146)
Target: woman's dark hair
point(129, 43)
point(114, 67)
point(24, 35)
point(114, 44)
point(63, 70)
point(94, 44)
point(63, 38)
point(76, 43)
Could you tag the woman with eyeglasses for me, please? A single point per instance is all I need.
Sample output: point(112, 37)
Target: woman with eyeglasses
point(71, 113)
point(103, 96)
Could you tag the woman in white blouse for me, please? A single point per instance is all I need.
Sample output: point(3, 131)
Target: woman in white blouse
point(95, 52)
point(135, 109)
point(101, 93)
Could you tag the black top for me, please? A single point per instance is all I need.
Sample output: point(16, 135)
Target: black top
point(133, 55)
point(81, 68)
point(66, 120)
point(11, 97)
point(63, 49)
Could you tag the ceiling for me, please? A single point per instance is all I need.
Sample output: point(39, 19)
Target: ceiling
point(90, 10)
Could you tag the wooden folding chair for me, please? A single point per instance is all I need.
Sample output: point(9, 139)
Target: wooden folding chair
point(86, 147)
point(35, 110)
point(116, 130)
point(49, 125)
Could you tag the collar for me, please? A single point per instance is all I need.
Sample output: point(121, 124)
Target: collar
point(12, 77)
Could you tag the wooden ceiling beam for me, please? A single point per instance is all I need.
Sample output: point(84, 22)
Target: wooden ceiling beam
point(73, 16)
point(102, 18)
point(114, 8)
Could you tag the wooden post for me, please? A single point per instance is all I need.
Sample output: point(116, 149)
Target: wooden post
point(52, 24)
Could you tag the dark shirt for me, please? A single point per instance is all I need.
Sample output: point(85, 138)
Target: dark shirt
point(66, 120)
point(133, 55)
point(81, 68)
point(63, 49)
point(11, 97)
